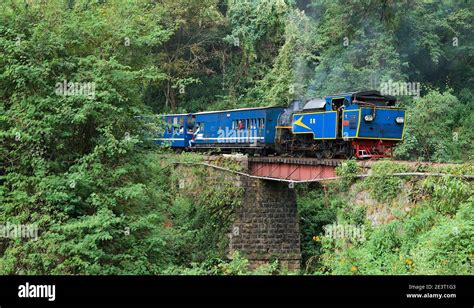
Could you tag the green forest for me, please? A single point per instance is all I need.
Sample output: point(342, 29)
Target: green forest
point(79, 168)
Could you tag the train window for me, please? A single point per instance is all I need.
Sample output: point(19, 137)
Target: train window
point(169, 125)
point(190, 123)
point(336, 103)
point(200, 125)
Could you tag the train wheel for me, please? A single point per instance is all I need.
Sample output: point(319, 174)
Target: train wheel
point(328, 154)
point(349, 151)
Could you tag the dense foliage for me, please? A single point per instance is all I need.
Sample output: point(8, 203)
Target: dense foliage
point(73, 162)
point(425, 227)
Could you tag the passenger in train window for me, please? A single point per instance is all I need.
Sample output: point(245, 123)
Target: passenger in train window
point(194, 136)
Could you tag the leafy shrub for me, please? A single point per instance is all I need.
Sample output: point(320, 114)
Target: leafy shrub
point(448, 248)
point(237, 265)
point(315, 211)
point(432, 131)
point(447, 193)
point(383, 186)
point(349, 170)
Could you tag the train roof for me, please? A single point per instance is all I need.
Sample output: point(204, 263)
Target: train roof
point(369, 95)
point(239, 109)
point(218, 111)
point(315, 103)
point(175, 114)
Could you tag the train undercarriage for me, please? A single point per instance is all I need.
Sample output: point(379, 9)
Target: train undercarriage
point(304, 145)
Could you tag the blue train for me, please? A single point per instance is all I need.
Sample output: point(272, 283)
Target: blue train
point(362, 124)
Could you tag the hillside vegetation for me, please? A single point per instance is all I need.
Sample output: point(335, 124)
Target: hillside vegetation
point(73, 161)
point(406, 225)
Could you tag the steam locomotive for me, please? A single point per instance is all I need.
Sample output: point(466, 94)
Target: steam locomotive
point(363, 124)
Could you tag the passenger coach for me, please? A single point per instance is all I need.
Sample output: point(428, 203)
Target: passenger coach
point(248, 128)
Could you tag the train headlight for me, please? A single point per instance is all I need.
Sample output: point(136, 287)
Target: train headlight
point(399, 120)
point(369, 118)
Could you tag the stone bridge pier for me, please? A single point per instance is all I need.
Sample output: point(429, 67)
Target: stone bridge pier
point(266, 225)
